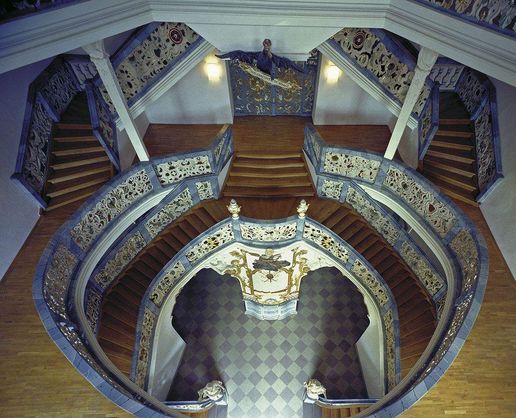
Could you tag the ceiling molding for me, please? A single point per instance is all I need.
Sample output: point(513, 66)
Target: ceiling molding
point(45, 34)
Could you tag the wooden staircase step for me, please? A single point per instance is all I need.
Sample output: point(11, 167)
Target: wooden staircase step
point(75, 185)
point(79, 161)
point(116, 337)
point(132, 296)
point(415, 349)
point(267, 182)
point(116, 349)
point(433, 175)
point(457, 193)
point(60, 201)
point(119, 322)
point(165, 248)
point(268, 192)
point(188, 230)
point(436, 165)
point(450, 157)
point(172, 242)
point(340, 216)
point(77, 151)
point(62, 139)
point(59, 176)
point(454, 121)
point(206, 217)
point(158, 255)
point(73, 126)
point(438, 144)
point(115, 305)
point(268, 173)
point(268, 156)
point(268, 164)
point(454, 133)
point(152, 263)
point(196, 223)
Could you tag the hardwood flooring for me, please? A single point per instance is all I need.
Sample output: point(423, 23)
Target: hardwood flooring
point(39, 382)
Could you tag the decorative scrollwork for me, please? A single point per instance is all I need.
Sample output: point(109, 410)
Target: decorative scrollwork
point(169, 213)
point(486, 159)
point(93, 302)
point(390, 346)
point(57, 279)
point(167, 282)
point(435, 212)
point(105, 125)
point(60, 88)
point(373, 215)
point(321, 238)
point(367, 277)
point(109, 207)
point(331, 189)
point(425, 273)
point(36, 150)
point(210, 243)
point(204, 190)
point(471, 90)
point(149, 319)
point(121, 259)
point(174, 171)
point(352, 166)
point(447, 75)
point(465, 249)
point(257, 232)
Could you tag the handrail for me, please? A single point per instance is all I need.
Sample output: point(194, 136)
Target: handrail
point(452, 236)
point(266, 235)
point(70, 257)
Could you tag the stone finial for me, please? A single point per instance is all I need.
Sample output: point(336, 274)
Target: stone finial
point(314, 388)
point(302, 208)
point(213, 390)
point(234, 209)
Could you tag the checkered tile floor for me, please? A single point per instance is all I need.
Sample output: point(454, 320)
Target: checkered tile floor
point(264, 363)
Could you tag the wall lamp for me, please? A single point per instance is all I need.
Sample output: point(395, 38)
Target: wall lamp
point(332, 73)
point(213, 71)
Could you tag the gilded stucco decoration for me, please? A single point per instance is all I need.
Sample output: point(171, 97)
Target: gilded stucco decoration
point(36, 150)
point(420, 266)
point(109, 207)
point(331, 189)
point(352, 166)
point(270, 277)
point(169, 213)
point(426, 204)
point(366, 276)
point(464, 247)
point(373, 215)
point(204, 190)
point(125, 254)
point(257, 232)
point(166, 283)
point(219, 237)
point(174, 171)
point(149, 319)
point(321, 238)
point(57, 279)
point(93, 308)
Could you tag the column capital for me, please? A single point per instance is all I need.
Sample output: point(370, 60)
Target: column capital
point(96, 51)
point(426, 59)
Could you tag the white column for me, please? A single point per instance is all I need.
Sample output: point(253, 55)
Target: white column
point(425, 61)
point(108, 76)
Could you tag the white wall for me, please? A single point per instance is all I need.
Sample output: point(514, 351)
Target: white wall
point(194, 99)
point(499, 208)
point(346, 103)
point(18, 210)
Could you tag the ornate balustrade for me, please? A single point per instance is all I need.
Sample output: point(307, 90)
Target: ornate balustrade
point(68, 270)
point(152, 59)
point(230, 247)
point(452, 237)
point(386, 68)
point(499, 15)
point(48, 98)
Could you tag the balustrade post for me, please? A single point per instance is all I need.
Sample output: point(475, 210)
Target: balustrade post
point(100, 58)
point(425, 61)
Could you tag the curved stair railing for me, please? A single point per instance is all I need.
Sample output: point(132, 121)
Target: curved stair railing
point(455, 241)
point(49, 97)
point(78, 247)
point(80, 244)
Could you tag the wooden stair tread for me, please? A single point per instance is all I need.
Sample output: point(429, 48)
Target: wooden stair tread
point(454, 133)
point(268, 192)
point(267, 182)
point(268, 164)
point(268, 156)
point(73, 185)
point(64, 175)
point(79, 161)
point(73, 126)
point(450, 157)
point(268, 173)
point(452, 169)
point(467, 186)
point(60, 201)
point(439, 144)
point(61, 139)
point(77, 151)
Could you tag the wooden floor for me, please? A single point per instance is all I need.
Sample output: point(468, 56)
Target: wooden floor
point(39, 382)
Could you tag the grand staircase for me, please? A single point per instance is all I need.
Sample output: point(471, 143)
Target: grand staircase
point(119, 312)
point(78, 165)
point(450, 162)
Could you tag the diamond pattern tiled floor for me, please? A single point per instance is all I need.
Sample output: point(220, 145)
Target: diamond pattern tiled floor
point(264, 363)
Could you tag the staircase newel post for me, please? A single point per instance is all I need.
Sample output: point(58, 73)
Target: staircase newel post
point(425, 61)
point(100, 58)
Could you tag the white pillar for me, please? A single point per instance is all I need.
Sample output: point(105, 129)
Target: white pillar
point(108, 76)
point(425, 61)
